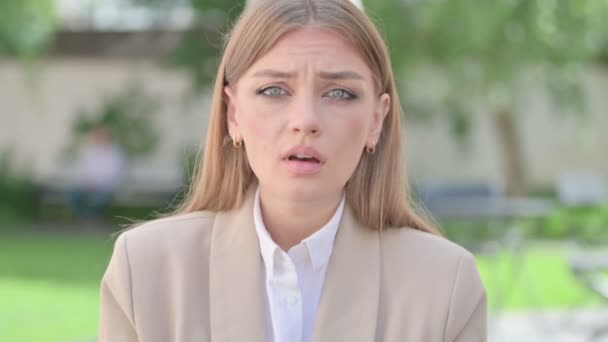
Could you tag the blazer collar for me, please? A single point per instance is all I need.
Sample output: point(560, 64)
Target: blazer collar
point(349, 300)
point(236, 277)
point(348, 309)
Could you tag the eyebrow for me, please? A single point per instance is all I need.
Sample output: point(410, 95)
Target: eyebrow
point(338, 75)
point(274, 74)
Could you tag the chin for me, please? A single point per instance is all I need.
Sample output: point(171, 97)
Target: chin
point(299, 188)
point(309, 190)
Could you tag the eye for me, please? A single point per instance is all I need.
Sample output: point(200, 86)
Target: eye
point(272, 91)
point(341, 94)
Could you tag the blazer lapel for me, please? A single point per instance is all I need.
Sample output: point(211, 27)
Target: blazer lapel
point(349, 302)
point(237, 290)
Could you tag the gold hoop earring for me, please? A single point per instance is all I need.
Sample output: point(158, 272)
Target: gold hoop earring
point(371, 150)
point(237, 143)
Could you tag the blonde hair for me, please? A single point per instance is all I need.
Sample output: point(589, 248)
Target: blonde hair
point(377, 192)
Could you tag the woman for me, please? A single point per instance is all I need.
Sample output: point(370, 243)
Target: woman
point(298, 226)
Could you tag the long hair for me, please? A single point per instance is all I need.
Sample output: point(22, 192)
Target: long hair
point(377, 192)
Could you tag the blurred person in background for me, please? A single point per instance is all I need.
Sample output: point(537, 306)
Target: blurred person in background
point(298, 225)
point(100, 167)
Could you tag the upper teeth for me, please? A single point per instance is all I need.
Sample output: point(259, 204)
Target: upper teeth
point(302, 156)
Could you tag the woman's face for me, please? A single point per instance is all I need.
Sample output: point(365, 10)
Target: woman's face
point(306, 111)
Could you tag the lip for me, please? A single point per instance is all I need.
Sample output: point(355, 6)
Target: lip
point(306, 150)
point(303, 168)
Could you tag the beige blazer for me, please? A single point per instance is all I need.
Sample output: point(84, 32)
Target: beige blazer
point(200, 277)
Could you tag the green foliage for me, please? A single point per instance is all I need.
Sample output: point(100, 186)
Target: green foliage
point(17, 192)
point(500, 33)
point(474, 235)
point(455, 58)
point(202, 45)
point(130, 117)
point(26, 27)
point(483, 50)
point(200, 49)
point(586, 224)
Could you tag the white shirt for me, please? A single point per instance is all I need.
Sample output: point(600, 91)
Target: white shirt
point(101, 166)
point(294, 280)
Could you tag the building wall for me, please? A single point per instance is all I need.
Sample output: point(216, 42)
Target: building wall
point(37, 109)
point(552, 143)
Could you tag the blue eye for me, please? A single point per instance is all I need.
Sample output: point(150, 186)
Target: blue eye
point(341, 94)
point(272, 91)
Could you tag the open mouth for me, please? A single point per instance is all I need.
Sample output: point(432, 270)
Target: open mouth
point(303, 158)
point(305, 162)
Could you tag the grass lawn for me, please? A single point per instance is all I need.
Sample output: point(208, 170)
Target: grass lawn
point(541, 278)
point(49, 284)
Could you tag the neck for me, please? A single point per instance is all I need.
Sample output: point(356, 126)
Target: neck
point(290, 221)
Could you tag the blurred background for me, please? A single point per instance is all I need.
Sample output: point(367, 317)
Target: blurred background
point(103, 106)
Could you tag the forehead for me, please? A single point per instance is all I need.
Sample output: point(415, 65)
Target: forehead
point(313, 47)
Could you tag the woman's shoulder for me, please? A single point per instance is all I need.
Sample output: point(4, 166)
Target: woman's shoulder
point(172, 233)
point(428, 274)
point(406, 250)
point(410, 240)
point(434, 275)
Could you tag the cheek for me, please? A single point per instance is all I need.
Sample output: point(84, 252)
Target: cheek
point(255, 130)
point(353, 129)
point(262, 125)
point(258, 122)
point(350, 140)
point(259, 134)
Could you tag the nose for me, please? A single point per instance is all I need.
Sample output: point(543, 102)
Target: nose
point(304, 118)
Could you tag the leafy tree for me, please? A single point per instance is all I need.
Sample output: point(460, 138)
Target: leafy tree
point(129, 115)
point(199, 51)
point(483, 50)
point(26, 27)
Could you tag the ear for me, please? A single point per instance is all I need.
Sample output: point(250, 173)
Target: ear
point(382, 107)
point(231, 117)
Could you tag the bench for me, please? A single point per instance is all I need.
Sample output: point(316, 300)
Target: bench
point(142, 187)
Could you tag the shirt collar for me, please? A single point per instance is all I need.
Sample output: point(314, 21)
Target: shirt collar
point(319, 245)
